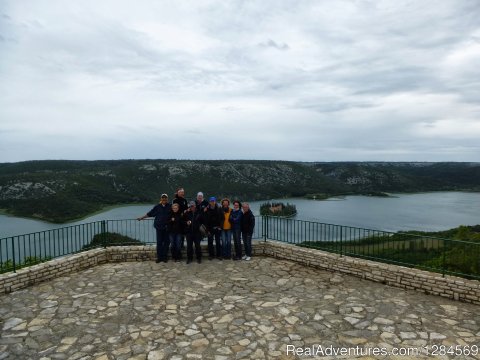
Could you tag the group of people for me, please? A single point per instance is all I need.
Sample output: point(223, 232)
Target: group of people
point(197, 219)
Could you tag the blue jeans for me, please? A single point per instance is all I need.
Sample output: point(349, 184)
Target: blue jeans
point(218, 245)
point(163, 243)
point(247, 242)
point(237, 243)
point(227, 243)
point(176, 240)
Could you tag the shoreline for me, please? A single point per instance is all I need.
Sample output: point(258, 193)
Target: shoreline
point(337, 197)
point(5, 212)
point(104, 209)
point(330, 212)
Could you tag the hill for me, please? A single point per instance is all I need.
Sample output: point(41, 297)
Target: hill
point(59, 191)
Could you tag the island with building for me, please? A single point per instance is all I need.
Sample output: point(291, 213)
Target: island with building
point(278, 209)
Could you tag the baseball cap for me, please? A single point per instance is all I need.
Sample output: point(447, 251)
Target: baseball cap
point(213, 198)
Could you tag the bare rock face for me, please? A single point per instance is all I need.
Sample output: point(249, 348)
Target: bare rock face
point(25, 190)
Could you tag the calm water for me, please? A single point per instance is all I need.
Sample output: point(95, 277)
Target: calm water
point(424, 211)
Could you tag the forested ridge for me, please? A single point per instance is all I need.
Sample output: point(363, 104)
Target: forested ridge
point(61, 190)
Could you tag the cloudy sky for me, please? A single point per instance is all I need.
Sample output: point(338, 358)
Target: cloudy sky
point(300, 80)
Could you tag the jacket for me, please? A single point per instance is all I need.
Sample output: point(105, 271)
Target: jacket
point(175, 223)
point(182, 203)
point(248, 222)
point(213, 218)
point(236, 219)
point(202, 205)
point(196, 219)
point(161, 214)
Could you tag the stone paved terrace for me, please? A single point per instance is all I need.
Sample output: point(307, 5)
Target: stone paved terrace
point(222, 310)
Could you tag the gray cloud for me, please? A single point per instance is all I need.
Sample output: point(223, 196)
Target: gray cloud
point(273, 44)
point(370, 80)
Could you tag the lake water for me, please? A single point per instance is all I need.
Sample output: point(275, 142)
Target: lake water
point(422, 211)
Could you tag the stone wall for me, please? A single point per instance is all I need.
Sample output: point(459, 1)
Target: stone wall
point(51, 269)
point(72, 263)
point(398, 276)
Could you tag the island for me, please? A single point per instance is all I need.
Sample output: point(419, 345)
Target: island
point(278, 209)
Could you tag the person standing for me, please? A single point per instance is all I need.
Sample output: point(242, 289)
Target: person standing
point(226, 234)
point(236, 221)
point(201, 203)
point(175, 231)
point(213, 219)
point(180, 200)
point(247, 225)
point(161, 214)
point(193, 220)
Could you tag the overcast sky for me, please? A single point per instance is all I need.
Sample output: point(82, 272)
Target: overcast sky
point(267, 79)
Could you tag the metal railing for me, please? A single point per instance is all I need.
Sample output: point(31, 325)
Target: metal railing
point(445, 256)
point(33, 248)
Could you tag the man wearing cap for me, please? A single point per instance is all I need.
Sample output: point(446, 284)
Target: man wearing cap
point(161, 213)
point(213, 218)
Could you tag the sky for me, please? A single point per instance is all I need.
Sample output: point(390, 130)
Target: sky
point(293, 80)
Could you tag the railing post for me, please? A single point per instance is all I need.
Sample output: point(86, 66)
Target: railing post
point(13, 255)
point(341, 240)
point(264, 235)
point(104, 233)
point(265, 228)
point(444, 256)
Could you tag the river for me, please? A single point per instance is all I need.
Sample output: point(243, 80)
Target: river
point(433, 211)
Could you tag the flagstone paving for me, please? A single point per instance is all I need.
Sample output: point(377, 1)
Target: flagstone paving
point(224, 310)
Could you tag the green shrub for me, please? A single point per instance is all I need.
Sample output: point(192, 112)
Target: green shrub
point(28, 261)
point(111, 239)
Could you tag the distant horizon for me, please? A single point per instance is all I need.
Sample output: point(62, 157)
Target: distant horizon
point(376, 81)
point(272, 160)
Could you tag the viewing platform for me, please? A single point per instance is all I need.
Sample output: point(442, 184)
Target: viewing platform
point(226, 309)
point(310, 288)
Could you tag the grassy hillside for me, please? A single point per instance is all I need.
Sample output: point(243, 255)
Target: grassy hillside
point(59, 191)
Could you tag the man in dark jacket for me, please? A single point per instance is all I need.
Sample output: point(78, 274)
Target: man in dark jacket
point(193, 220)
point(247, 224)
point(175, 232)
point(213, 218)
point(180, 200)
point(200, 203)
point(161, 213)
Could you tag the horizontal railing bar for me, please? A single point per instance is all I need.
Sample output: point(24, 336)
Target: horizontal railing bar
point(379, 245)
point(49, 230)
point(365, 229)
point(438, 254)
